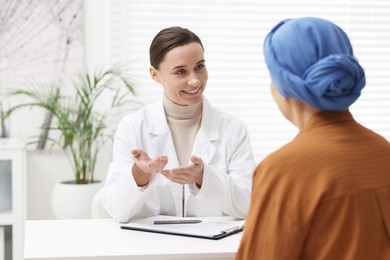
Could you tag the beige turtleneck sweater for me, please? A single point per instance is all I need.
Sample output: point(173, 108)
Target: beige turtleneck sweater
point(184, 123)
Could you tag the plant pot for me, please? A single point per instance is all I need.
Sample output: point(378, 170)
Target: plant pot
point(73, 201)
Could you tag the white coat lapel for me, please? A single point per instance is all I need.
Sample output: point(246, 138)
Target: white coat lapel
point(162, 141)
point(204, 146)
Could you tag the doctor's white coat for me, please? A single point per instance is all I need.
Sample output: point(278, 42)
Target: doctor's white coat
point(222, 143)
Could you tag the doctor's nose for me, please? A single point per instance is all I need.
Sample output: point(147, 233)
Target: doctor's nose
point(193, 81)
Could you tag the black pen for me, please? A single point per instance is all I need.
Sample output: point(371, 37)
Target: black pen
point(177, 221)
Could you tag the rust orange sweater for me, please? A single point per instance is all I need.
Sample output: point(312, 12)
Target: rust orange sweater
point(325, 195)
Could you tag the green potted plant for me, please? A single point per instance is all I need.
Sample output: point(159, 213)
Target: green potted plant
point(79, 123)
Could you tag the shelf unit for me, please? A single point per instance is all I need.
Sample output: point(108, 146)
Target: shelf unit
point(12, 152)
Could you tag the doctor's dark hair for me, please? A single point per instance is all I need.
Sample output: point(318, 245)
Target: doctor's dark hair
point(168, 39)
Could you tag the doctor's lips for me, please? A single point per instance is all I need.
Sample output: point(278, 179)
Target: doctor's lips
point(194, 91)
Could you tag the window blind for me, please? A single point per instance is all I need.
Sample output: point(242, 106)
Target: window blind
point(232, 33)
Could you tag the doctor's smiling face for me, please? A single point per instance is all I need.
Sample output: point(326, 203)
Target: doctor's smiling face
point(183, 74)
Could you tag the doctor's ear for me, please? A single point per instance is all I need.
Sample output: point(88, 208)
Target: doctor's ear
point(154, 74)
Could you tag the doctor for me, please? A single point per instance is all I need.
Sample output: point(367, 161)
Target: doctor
point(179, 156)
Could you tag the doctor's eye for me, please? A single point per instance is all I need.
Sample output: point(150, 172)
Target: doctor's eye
point(180, 72)
point(199, 66)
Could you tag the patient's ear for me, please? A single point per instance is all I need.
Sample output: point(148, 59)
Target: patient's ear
point(154, 74)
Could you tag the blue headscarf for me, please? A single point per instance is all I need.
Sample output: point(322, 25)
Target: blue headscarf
point(311, 59)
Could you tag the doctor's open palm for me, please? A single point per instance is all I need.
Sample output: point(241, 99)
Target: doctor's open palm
point(192, 173)
point(146, 164)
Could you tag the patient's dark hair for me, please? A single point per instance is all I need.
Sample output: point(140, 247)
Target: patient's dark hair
point(168, 39)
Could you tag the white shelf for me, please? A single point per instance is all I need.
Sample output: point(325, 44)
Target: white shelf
point(13, 150)
point(11, 144)
point(6, 218)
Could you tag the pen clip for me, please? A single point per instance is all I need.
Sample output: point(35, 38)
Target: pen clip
point(232, 230)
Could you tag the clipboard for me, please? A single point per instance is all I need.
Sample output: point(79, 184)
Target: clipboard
point(207, 228)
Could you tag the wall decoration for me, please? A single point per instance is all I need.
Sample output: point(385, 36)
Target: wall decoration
point(40, 41)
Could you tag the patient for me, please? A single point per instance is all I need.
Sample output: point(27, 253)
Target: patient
point(326, 194)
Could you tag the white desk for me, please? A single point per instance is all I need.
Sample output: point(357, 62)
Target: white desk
point(100, 239)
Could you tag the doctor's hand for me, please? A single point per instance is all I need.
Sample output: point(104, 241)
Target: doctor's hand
point(192, 173)
point(146, 164)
